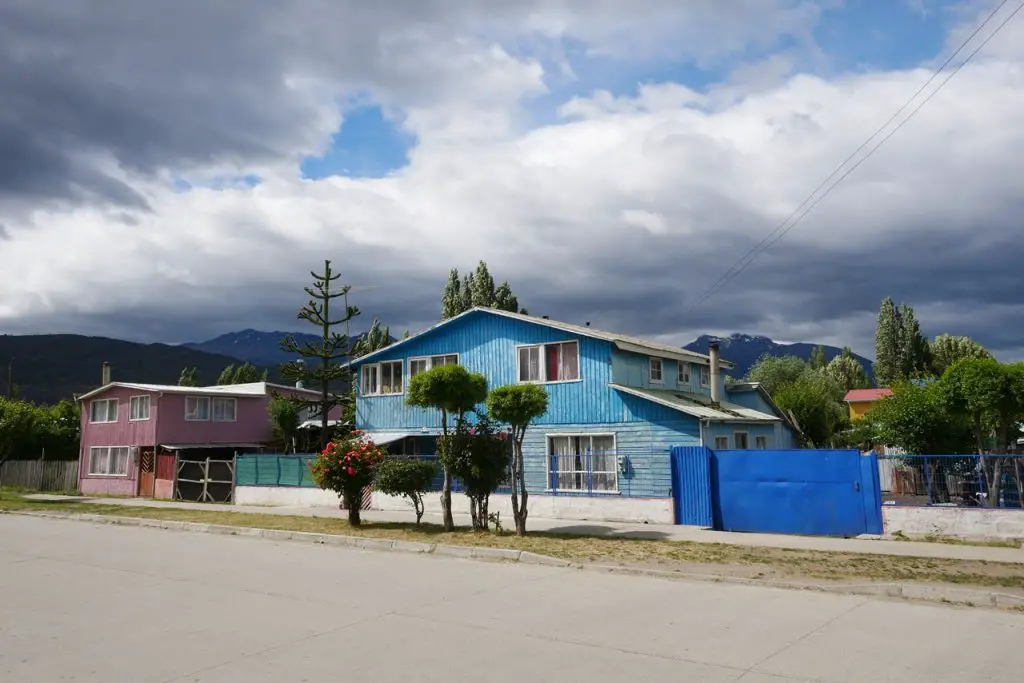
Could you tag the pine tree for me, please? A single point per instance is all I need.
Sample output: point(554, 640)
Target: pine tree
point(504, 299)
point(888, 345)
point(483, 287)
point(818, 358)
point(189, 377)
point(451, 299)
point(326, 354)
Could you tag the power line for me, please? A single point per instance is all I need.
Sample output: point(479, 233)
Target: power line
point(811, 201)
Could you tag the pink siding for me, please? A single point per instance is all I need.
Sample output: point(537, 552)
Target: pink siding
point(124, 432)
point(252, 425)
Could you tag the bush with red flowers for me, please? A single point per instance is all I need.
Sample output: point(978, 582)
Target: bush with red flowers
point(347, 466)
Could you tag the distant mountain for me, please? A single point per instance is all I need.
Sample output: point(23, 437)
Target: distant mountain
point(49, 367)
point(744, 350)
point(255, 346)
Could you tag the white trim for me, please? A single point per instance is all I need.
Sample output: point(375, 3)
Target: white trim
point(703, 384)
point(213, 412)
point(149, 407)
point(238, 390)
point(209, 407)
point(544, 364)
point(746, 437)
point(399, 362)
point(108, 401)
point(688, 382)
point(548, 455)
point(661, 370)
point(127, 464)
point(430, 362)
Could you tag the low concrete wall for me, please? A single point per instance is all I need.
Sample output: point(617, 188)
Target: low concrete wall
point(285, 496)
point(163, 489)
point(965, 523)
point(583, 508)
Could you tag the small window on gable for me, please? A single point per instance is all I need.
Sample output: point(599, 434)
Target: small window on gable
point(721, 443)
point(684, 372)
point(656, 371)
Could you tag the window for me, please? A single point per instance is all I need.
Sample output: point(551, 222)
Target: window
point(138, 408)
point(684, 372)
point(721, 443)
point(418, 365)
point(197, 408)
point(705, 376)
point(761, 442)
point(225, 409)
point(108, 461)
point(103, 410)
point(741, 440)
point(585, 463)
point(656, 375)
point(549, 362)
point(382, 379)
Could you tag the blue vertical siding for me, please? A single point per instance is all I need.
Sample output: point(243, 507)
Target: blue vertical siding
point(633, 370)
point(692, 486)
point(728, 429)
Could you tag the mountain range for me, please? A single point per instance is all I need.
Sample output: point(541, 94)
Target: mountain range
point(47, 368)
point(744, 350)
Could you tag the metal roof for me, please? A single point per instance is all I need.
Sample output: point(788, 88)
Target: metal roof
point(196, 446)
point(866, 395)
point(382, 438)
point(623, 342)
point(240, 390)
point(699, 406)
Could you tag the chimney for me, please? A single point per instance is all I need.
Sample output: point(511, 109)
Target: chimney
point(105, 373)
point(299, 383)
point(716, 397)
point(587, 324)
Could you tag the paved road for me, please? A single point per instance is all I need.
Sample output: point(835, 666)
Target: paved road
point(100, 603)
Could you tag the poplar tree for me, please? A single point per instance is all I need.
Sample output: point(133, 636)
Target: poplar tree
point(451, 299)
point(888, 345)
point(818, 358)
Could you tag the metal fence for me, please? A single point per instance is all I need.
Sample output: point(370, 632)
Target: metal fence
point(992, 480)
point(40, 475)
point(274, 470)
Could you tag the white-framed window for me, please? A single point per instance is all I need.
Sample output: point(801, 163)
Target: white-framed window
point(225, 409)
point(541, 363)
point(424, 363)
point(742, 440)
point(684, 373)
point(138, 408)
point(721, 443)
point(656, 375)
point(761, 443)
point(585, 463)
point(103, 410)
point(381, 379)
point(108, 461)
point(197, 408)
point(705, 376)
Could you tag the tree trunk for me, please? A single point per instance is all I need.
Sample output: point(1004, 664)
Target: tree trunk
point(481, 508)
point(417, 505)
point(446, 502)
point(473, 513)
point(519, 493)
point(353, 503)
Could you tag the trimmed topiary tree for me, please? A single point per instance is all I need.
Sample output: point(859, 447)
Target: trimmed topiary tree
point(518, 405)
point(407, 477)
point(347, 466)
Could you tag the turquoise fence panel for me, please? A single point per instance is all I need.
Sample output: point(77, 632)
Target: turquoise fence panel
point(274, 470)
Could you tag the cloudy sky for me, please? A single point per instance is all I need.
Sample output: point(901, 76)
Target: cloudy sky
point(172, 170)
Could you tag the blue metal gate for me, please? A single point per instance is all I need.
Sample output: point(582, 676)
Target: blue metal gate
point(811, 492)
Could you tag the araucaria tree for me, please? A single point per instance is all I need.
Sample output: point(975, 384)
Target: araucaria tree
point(322, 363)
point(518, 405)
point(454, 391)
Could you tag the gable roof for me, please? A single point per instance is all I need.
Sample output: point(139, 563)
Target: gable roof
point(699, 406)
point(866, 395)
point(621, 341)
point(236, 390)
point(744, 387)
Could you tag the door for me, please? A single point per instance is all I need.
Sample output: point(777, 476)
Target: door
point(147, 474)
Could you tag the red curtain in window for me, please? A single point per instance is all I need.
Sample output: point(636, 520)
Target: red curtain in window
point(552, 362)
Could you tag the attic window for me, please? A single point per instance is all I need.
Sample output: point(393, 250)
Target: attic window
point(657, 376)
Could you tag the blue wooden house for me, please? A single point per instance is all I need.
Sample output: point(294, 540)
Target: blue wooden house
point(616, 406)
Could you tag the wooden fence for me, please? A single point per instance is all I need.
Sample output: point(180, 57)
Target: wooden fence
point(40, 475)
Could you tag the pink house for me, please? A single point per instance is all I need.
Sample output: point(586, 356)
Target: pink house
point(133, 435)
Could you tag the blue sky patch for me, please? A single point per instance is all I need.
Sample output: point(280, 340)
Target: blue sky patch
point(367, 146)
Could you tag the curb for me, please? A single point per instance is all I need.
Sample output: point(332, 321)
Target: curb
point(918, 592)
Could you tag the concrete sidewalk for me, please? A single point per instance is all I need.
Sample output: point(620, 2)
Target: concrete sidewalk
point(872, 546)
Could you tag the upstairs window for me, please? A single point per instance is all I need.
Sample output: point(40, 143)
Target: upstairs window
point(138, 408)
point(225, 410)
point(197, 408)
point(656, 371)
point(418, 365)
point(705, 376)
point(381, 379)
point(103, 410)
point(558, 362)
point(684, 373)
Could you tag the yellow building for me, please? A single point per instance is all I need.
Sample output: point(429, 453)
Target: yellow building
point(863, 400)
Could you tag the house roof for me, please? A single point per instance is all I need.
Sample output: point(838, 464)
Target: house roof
point(866, 395)
point(699, 406)
point(237, 390)
point(621, 341)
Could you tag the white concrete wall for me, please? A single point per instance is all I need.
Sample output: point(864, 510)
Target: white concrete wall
point(285, 496)
point(965, 523)
point(583, 508)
